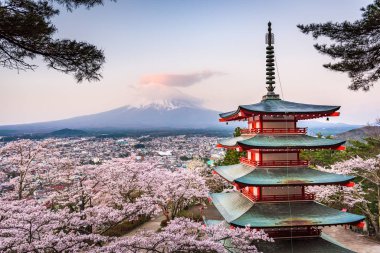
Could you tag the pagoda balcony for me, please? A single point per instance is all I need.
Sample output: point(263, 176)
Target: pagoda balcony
point(301, 130)
point(289, 197)
point(273, 163)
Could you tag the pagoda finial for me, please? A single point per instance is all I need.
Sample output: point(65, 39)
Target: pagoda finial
point(269, 39)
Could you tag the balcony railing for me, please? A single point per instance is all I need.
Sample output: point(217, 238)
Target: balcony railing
point(274, 131)
point(306, 196)
point(274, 162)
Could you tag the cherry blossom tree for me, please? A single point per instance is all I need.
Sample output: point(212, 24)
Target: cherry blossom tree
point(365, 195)
point(27, 226)
point(25, 160)
point(184, 235)
point(59, 205)
point(173, 191)
point(214, 182)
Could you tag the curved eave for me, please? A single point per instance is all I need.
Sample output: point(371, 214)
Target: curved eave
point(247, 146)
point(232, 172)
point(289, 142)
point(245, 175)
point(231, 142)
point(293, 184)
point(283, 107)
point(241, 212)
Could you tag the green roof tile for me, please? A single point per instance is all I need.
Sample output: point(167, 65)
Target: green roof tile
point(231, 142)
point(233, 207)
point(232, 172)
point(289, 141)
point(272, 176)
point(278, 106)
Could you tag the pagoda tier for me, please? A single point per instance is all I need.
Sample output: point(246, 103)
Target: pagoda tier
point(262, 141)
point(239, 211)
point(314, 244)
point(276, 106)
point(244, 175)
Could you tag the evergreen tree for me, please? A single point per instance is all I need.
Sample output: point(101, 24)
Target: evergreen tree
point(232, 156)
point(27, 31)
point(237, 132)
point(355, 46)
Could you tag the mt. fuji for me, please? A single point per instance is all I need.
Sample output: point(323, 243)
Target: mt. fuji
point(173, 114)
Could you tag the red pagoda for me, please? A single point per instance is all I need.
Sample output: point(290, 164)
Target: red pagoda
point(270, 181)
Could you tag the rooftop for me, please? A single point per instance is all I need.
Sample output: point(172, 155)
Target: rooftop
point(280, 142)
point(240, 211)
point(277, 176)
point(279, 106)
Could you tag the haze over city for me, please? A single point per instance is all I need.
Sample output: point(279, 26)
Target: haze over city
point(209, 53)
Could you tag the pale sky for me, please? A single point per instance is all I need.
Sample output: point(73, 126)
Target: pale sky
point(209, 52)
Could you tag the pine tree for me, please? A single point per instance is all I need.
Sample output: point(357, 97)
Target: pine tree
point(27, 31)
point(355, 46)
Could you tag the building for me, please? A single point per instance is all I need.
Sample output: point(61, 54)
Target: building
point(270, 181)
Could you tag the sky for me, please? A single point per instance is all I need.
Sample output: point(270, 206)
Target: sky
point(210, 53)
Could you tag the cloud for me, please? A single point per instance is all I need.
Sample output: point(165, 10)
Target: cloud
point(177, 80)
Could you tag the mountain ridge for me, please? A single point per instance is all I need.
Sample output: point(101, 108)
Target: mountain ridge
point(168, 114)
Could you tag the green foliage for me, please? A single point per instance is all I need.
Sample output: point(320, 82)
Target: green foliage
point(324, 157)
point(370, 147)
point(232, 157)
point(27, 31)
point(237, 132)
point(184, 158)
point(354, 48)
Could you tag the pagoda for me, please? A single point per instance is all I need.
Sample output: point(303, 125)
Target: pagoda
point(269, 183)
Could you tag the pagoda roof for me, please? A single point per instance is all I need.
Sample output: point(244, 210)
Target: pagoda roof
point(300, 245)
point(232, 142)
point(289, 141)
point(240, 211)
point(280, 142)
point(277, 176)
point(279, 106)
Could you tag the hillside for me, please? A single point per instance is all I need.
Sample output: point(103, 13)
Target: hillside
point(67, 133)
point(360, 133)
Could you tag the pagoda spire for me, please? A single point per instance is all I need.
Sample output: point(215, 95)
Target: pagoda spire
point(269, 40)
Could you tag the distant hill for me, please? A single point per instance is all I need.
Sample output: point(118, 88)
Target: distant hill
point(326, 128)
point(68, 133)
point(360, 133)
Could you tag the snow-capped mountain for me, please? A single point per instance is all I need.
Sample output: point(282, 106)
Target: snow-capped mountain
point(166, 104)
point(159, 114)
